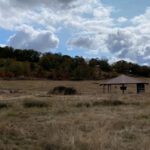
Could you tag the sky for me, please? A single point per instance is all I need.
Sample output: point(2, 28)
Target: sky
point(110, 29)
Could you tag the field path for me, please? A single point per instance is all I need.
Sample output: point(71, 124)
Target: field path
point(16, 97)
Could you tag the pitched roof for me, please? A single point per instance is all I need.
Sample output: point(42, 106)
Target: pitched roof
point(123, 79)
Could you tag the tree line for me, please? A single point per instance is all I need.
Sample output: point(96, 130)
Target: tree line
point(24, 64)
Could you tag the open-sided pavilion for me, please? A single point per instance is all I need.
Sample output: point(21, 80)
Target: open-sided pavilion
point(123, 81)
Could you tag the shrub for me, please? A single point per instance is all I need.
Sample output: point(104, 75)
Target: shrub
point(63, 90)
point(83, 104)
point(108, 103)
point(51, 147)
point(4, 105)
point(34, 103)
point(70, 91)
point(56, 146)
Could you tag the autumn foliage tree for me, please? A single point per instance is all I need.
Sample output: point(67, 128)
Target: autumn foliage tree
point(16, 63)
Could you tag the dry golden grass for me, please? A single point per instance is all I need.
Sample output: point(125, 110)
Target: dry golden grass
point(86, 121)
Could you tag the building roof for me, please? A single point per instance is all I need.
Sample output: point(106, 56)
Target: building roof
point(123, 79)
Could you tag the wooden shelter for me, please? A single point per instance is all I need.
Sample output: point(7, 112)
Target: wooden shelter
point(123, 81)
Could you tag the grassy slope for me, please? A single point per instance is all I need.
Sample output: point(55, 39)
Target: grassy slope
point(73, 122)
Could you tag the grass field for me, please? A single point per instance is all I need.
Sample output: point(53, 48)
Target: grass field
point(91, 120)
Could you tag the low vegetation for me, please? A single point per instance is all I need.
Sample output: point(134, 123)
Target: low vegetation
point(63, 90)
point(101, 103)
point(83, 104)
point(4, 105)
point(109, 103)
point(34, 103)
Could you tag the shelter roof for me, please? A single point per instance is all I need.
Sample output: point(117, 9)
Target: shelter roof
point(123, 79)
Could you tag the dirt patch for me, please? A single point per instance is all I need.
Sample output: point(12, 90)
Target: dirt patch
point(8, 91)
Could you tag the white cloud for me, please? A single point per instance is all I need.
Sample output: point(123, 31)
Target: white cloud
point(50, 13)
point(2, 45)
point(119, 41)
point(121, 19)
point(28, 38)
point(62, 4)
point(143, 18)
point(82, 42)
point(87, 17)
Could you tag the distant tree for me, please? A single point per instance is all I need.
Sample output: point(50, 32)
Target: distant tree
point(6, 52)
point(134, 69)
point(93, 62)
point(144, 71)
point(26, 55)
point(50, 61)
point(17, 62)
point(122, 67)
point(104, 65)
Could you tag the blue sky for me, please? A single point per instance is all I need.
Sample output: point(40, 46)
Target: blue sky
point(4, 35)
point(128, 8)
point(112, 29)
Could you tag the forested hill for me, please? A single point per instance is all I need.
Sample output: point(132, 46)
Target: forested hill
point(24, 64)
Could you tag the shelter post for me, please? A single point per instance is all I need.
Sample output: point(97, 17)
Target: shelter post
point(103, 88)
point(108, 88)
point(123, 89)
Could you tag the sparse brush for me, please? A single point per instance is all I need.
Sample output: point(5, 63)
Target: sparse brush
point(53, 146)
point(63, 90)
point(70, 91)
point(4, 105)
point(108, 103)
point(100, 103)
point(34, 103)
point(86, 104)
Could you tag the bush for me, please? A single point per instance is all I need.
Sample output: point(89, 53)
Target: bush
point(4, 105)
point(108, 103)
point(63, 90)
point(56, 146)
point(70, 91)
point(86, 104)
point(34, 103)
